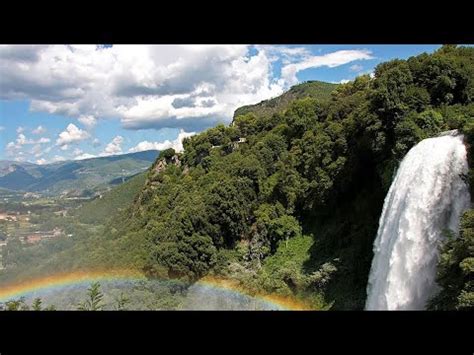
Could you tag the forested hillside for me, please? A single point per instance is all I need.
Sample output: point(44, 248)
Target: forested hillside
point(289, 202)
point(287, 198)
point(314, 89)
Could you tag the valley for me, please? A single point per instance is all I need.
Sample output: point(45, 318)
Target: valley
point(285, 205)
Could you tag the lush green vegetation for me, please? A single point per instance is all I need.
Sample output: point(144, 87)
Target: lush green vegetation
point(456, 269)
point(311, 170)
point(315, 89)
point(84, 247)
point(287, 199)
point(100, 209)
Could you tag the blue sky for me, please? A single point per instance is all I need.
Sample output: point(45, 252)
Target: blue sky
point(89, 101)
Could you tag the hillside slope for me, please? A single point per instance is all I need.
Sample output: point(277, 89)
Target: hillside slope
point(119, 198)
point(74, 177)
point(289, 202)
point(311, 168)
point(313, 89)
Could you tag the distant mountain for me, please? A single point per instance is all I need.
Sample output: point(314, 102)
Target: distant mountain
point(315, 89)
point(77, 177)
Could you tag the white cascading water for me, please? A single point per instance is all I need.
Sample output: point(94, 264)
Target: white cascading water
point(427, 196)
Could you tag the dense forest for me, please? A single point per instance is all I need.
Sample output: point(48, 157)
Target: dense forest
point(287, 198)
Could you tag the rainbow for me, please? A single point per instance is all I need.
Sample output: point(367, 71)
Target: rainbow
point(281, 302)
point(59, 280)
point(56, 281)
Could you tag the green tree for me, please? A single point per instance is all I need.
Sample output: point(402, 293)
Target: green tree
point(37, 304)
point(94, 299)
point(456, 269)
point(16, 305)
point(167, 154)
point(121, 302)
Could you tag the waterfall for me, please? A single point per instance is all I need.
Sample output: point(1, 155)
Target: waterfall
point(427, 196)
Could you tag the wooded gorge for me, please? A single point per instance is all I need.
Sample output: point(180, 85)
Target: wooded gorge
point(288, 201)
point(287, 198)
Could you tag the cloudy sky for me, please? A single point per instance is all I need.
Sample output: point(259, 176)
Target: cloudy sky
point(74, 102)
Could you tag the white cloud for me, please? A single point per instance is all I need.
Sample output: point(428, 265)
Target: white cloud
point(114, 147)
point(344, 81)
point(138, 84)
point(39, 130)
point(42, 140)
point(57, 158)
point(176, 144)
point(77, 152)
point(41, 161)
point(84, 156)
point(14, 148)
point(331, 60)
point(72, 134)
point(87, 120)
point(21, 140)
point(96, 142)
point(356, 68)
point(20, 129)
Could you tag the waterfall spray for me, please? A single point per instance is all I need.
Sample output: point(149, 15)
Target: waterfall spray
point(427, 196)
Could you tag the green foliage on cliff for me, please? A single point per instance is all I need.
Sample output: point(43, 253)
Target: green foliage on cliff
point(456, 269)
point(287, 198)
point(315, 89)
point(314, 168)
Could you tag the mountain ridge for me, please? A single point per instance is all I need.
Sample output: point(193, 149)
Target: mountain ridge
point(74, 176)
point(314, 89)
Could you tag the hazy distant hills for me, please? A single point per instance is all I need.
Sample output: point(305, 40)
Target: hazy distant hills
point(78, 177)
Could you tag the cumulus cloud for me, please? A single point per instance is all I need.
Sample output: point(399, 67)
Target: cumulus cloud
point(39, 130)
point(20, 53)
point(176, 144)
point(87, 82)
point(72, 134)
point(190, 87)
point(21, 140)
point(15, 147)
point(41, 161)
point(12, 148)
point(20, 129)
point(114, 147)
point(42, 140)
point(87, 120)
